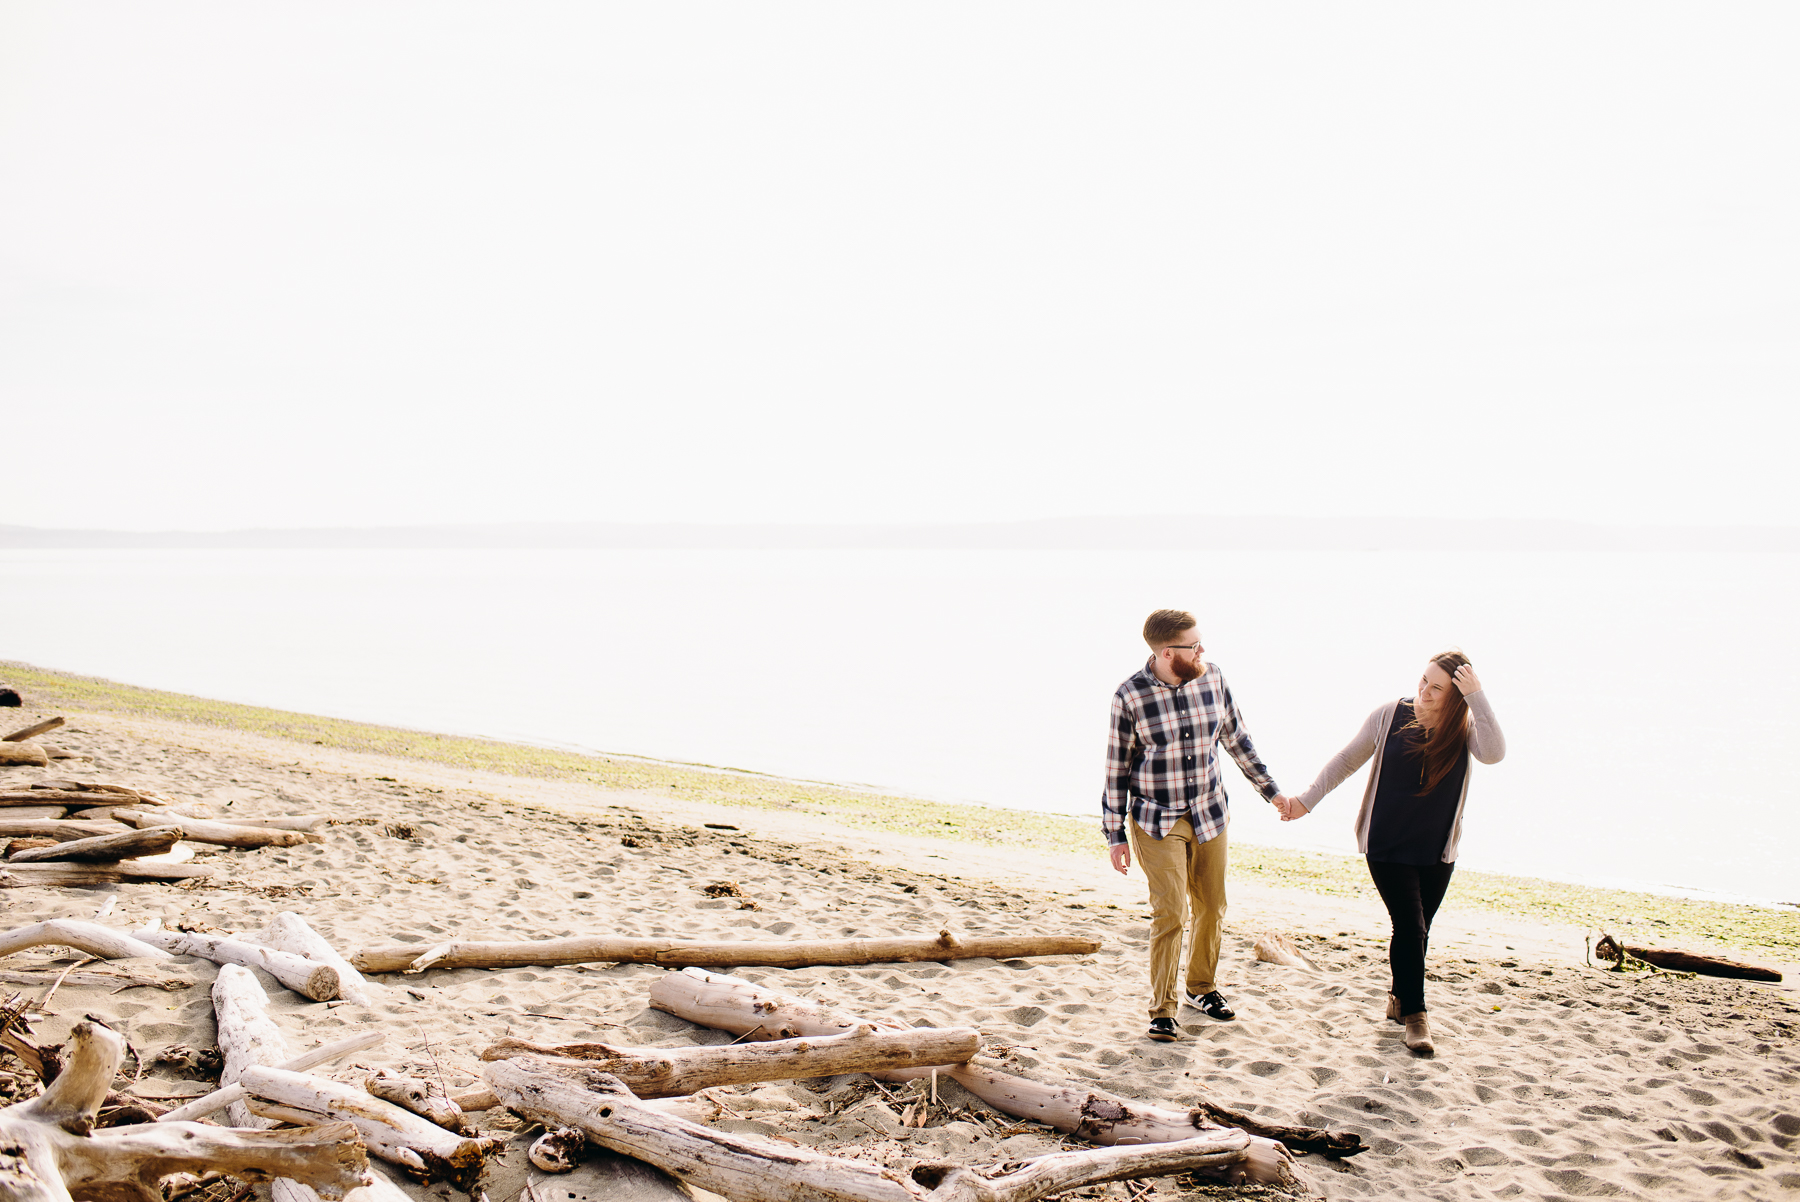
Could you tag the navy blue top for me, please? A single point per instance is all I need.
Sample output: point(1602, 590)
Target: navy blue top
point(1405, 828)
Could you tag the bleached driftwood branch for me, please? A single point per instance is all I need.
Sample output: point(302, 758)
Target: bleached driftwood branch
point(123, 846)
point(728, 1003)
point(671, 1072)
point(89, 937)
point(50, 1152)
point(316, 981)
point(247, 1035)
point(61, 829)
point(94, 786)
point(753, 1170)
point(165, 975)
point(78, 795)
point(111, 872)
point(774, 953)
point(223, 834)
point(31, 732)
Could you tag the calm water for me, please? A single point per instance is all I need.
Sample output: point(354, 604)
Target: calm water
point(1649, 701)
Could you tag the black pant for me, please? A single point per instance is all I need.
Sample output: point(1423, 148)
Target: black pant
point(1412, 893)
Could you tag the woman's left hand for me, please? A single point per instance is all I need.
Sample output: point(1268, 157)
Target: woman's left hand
point(1466, 680)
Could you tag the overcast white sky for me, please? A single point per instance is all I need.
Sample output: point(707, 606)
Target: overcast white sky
point(376, 263)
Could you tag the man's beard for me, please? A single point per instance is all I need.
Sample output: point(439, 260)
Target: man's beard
point(1184, 672)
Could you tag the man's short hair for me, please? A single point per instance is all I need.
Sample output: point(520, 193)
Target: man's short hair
point(1166, 626)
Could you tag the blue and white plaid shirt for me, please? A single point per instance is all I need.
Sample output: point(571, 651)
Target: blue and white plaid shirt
point(1162, 762)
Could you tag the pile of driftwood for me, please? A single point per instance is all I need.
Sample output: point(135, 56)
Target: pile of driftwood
point(635, 1101)
point(52, 1148)
point(75, 832)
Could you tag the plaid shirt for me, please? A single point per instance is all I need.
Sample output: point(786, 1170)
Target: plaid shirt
point(1162, 762)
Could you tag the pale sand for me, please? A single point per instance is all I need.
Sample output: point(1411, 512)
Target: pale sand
point(1552, 1080)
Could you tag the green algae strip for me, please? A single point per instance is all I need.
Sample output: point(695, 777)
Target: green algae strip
point(1643, 917)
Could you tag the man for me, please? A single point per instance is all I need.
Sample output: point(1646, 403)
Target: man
point(1165, 801)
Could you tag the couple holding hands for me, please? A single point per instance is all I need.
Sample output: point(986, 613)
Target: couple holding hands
point(1165, 806)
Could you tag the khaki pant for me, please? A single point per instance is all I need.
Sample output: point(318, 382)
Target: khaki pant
point(1180, 870)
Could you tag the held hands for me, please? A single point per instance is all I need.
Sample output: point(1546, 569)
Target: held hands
point(1121, 857)
point(1466, 680)
point(1289, 807)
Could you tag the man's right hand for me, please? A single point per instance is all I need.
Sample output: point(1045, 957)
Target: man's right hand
point(1121, 857)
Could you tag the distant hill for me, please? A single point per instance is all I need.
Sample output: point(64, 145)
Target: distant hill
point(1093, 533)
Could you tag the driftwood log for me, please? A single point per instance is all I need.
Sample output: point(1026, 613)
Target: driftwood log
point(1105, 1118)
point(164, 975)
point(29, 732)
point(38, 795)
point(1675, 960)
point(49, 1150)
point(14, 823)
point(123, 846)
point(23, 755)
point(109, 872)
point(754, 1170)
point(220, 1099)
point(420, 1147)
point(288, 932)
point(744, 1008)
point(316, 981)
point(672, 1072)
point(91, 786)
point(246, 1034)
point(223, 834)
point(678, 953)
point(89, 937)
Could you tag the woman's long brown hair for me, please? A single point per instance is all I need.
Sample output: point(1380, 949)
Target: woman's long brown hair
point(1441, 748)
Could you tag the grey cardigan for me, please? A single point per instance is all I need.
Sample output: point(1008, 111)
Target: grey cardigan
point(1486, 744)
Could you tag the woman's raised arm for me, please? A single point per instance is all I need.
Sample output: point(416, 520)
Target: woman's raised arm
point(1486, 743)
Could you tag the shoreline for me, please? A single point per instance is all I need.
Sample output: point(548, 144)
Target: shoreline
point(1773, 931)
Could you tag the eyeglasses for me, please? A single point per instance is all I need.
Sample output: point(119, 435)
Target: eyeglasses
point(1193, 646)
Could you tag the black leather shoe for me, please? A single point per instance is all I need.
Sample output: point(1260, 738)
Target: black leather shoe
point(1162, 1030)
point(1213, 1005)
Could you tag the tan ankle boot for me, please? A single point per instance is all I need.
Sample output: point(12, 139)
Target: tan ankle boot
point(1418, 1034)
point(1393, 1010)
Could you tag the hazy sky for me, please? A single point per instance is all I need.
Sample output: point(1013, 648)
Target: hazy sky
point(371, 263)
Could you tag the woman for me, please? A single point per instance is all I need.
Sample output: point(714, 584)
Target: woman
point(1412, 810)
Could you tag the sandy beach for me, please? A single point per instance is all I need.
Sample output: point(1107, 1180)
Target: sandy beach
point(1553, 1078)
